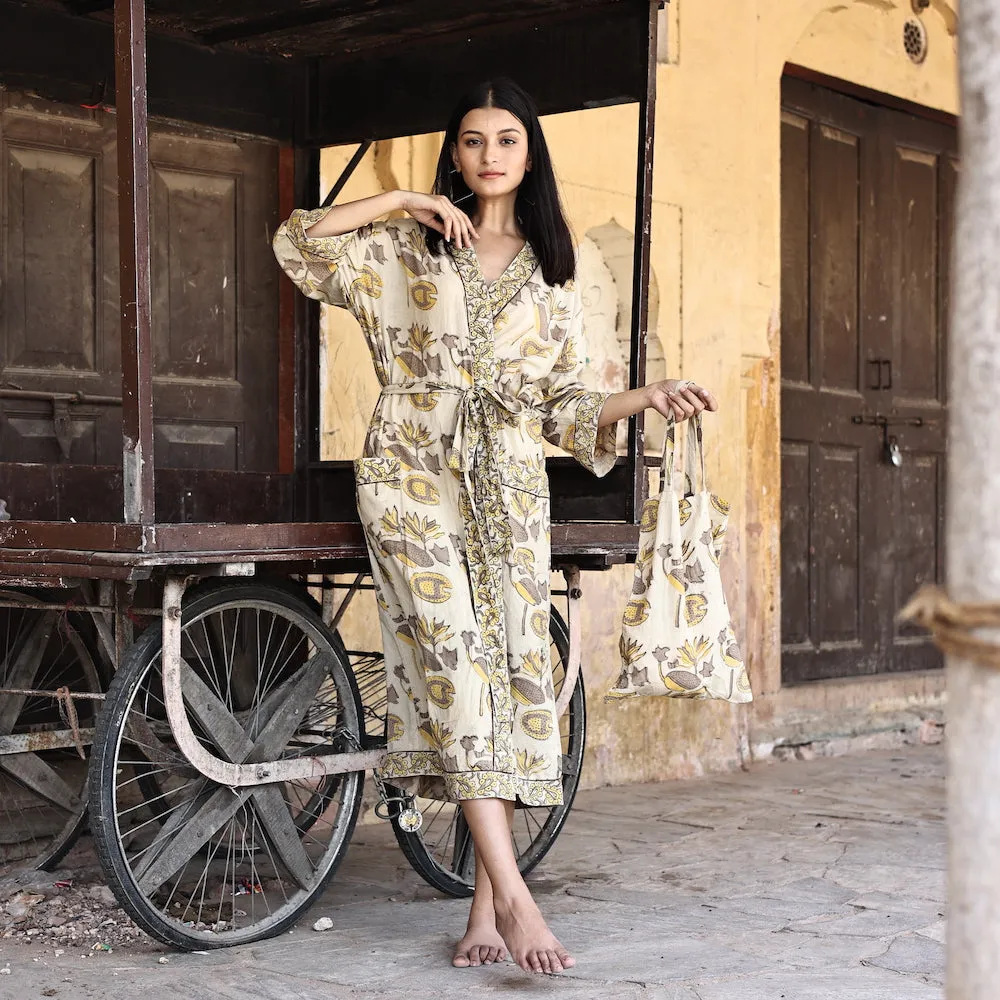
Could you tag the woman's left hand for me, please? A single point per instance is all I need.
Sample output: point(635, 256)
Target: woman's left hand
point(680, 398)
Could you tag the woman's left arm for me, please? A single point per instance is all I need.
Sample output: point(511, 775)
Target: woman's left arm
point(675, 398)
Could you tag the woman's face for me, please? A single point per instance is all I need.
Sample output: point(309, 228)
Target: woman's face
point(491, 152)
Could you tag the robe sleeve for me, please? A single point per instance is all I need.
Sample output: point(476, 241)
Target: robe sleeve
point(332, 269)
point(570, 410)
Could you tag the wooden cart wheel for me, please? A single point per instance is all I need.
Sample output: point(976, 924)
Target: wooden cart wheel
point(43, 791)
point(200, 865)
point(441, 852)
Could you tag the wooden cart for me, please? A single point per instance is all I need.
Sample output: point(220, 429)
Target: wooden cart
point(162, 656)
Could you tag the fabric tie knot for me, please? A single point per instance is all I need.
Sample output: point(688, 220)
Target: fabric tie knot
point(475, 452)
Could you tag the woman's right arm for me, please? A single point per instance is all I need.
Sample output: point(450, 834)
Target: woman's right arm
point(341, 219)
point(431, 210)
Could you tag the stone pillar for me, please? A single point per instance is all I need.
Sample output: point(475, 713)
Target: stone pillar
point(973, 533)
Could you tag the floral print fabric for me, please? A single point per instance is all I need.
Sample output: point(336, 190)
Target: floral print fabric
point(453, 495)
point(677, 639)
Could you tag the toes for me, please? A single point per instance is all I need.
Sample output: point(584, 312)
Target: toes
point(555, 965)
point(543, 961)
point(475, 958)
point(566, 959)
point(460, 960)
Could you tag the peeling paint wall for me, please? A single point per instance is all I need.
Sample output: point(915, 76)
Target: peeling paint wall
point(716, 265)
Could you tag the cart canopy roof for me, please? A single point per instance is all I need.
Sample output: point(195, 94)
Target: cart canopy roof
point(322, 72)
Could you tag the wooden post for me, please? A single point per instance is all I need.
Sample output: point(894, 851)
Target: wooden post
point(973, 537)
point(133, 233)
point(640, 270)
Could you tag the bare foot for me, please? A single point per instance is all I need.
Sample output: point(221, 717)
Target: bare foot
point(482, 945)
point(532, 945)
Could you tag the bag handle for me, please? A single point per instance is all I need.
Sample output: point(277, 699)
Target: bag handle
point(695, 445)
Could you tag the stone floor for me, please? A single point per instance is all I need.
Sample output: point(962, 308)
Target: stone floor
point(796, 881)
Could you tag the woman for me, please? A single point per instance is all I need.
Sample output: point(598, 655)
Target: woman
point(474, 323)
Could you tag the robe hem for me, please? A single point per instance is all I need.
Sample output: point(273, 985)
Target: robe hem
point(478, 784)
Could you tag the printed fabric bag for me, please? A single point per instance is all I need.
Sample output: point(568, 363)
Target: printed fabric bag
point(677, 638)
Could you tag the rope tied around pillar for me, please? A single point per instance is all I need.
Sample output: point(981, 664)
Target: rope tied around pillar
point(952, 624)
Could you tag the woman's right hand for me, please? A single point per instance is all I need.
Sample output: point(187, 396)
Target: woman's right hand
point(437, 212)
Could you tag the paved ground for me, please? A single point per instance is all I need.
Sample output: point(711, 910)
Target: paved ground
point(798, 881)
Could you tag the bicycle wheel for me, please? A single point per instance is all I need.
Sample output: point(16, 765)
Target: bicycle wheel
point(441, 851)
point(43, 791)
point(200, 865)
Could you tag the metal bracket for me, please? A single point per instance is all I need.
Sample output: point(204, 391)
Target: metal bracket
point(574, 608)
point(345, 175)
point(62, 422)
point(880, 420)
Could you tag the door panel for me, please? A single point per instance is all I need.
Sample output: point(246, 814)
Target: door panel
point(215, 349)
point(52, 195)
point(194, 247)
point(835, 522)
point(915, 211)
point(215, 291)
point(834, 178)
point(864, 313)
point(57, 267)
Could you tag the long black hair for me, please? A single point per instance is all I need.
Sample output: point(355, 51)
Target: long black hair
point(537, 207)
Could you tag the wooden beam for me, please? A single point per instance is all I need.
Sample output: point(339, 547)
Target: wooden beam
point(83, 7)
point(595, 61)
point(640, 269)
point(134, 261)
point(65, 58)
point(283, 20)
point(345, 175)
point(287, 296)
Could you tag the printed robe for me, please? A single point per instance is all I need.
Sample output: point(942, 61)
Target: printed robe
point(453, 494)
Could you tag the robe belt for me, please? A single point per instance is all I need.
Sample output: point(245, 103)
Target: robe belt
point(476, 451)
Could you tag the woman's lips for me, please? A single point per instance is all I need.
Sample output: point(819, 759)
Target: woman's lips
point(490, 174)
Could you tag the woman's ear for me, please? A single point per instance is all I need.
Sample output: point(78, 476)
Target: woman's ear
point(454, 157)
point(527, 165)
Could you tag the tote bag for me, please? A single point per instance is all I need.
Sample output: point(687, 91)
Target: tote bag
point(677, 638)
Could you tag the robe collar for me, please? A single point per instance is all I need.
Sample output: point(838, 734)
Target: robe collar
point(498, 294)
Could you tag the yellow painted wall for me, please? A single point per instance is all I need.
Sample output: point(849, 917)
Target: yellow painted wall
point(715, 254)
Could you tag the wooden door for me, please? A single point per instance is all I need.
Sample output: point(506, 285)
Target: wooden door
point(867, 209)
point(215, 291)
point(59, 273)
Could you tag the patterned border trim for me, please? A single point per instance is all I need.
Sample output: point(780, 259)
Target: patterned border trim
point(593, 447)
point(520, 269)
point(485, 569)
point(461, 785)
point(325, 248)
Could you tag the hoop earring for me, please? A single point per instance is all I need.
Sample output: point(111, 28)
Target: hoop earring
point(451, 188)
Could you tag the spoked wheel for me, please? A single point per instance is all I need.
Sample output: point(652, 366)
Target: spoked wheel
point(43, 788)
point(441, 851)
point(202, 865)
